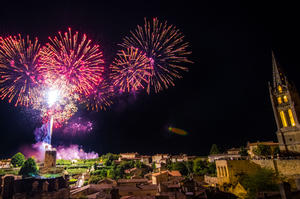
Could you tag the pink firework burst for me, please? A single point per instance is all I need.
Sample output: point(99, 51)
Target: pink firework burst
point(76, 59)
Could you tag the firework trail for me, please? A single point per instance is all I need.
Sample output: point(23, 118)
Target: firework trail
point(164, 46)
point(77, 60)
point(19, 71)
point(130, 70)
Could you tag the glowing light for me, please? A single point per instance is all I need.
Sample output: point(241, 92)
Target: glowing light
point(52, 96)
point(177, 131)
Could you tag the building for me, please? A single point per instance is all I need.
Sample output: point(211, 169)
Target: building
point(157, 158)
point(223, 156)
point(128, 156)
point(5, 164)
point(54, 188)
point(286, 107)
point(252, 146)
point(233, 151)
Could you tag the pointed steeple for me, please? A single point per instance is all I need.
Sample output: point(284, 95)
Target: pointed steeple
point(278, 76)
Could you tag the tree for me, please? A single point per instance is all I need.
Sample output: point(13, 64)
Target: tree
point(29, 168)
point(275, 150)
point(262, 150)
point(243, 151)
point(180, 166)
point(18, 160)
point(199, 167)
point(262, 180)
point(214, 150)
point(211, 168)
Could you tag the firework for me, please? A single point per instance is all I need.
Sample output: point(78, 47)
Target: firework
point(165, 48)
point(19, 71)
point(78, 126)
point(77, 60)
point(56, 99)
point(130, 71)
point(101, 97)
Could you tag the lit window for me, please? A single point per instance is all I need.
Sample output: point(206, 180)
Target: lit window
point(280, 89)
point(291, 117)
point(279, 100)
point(285, 99)
point(283, 120)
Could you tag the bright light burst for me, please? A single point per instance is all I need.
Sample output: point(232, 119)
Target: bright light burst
point(164, 45)
point(130, 70)
point(19, 71)
point(52, 96)
point(56, 99)
point(77, 60)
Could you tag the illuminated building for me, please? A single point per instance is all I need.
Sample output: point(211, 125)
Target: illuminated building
point(286, 107)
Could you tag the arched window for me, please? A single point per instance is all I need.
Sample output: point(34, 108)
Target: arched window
point(291, 117)
point(285, 99)
point(283, 120)
point(280, 89)
point(279, 100)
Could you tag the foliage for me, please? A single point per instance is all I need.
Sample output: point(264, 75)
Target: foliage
point(29, 168)
point(94, 179)
point(262, 180)
point(243, 151)
point(214, 150)
point(181, 167)
point(189, 165)
point(18, 160)
point(262, 150)
point(201, 167)
point(153, 165)
point(275, 150)
point(73, 181)
point(76, 171)
point(9, 171)
point(63, 162)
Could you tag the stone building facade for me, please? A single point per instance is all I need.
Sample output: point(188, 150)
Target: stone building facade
point(286, 107)
point(34, 188)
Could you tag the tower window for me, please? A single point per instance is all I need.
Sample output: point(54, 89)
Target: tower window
point(291, 117)
point(285, 98)
point(279, 100)
point(280, 89)
point(283, 120)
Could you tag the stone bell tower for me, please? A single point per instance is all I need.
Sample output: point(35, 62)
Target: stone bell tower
point(286, 107)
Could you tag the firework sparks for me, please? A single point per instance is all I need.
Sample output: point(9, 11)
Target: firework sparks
point(101, 97)
point(77, 60)
point(19, 71)
point(78, 126)
point(131, 70)
point(165, 48)
point(56, 99)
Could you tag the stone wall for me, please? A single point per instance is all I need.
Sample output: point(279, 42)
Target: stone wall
point(54, 188)
point(287, 168)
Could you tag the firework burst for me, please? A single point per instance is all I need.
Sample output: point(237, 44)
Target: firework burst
point(57, 99)
point(101, 97)
point(19, 71)
point(164, 46)
point(130, 70)
point(77, 60)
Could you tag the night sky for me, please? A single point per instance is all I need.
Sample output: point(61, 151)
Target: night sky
point(223, 99)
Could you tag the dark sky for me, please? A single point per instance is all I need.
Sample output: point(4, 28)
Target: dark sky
point(223, 99)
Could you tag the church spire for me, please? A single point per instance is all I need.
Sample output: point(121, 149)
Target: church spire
point(278, 76)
